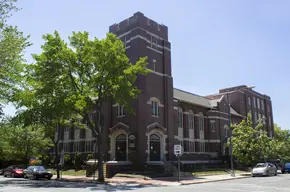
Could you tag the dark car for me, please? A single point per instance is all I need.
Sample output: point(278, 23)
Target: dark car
point(13, 171)
point(37, 172)
point(286, 168)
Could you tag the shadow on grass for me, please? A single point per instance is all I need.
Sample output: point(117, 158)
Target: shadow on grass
point(32, 184)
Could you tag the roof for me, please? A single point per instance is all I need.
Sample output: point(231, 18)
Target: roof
point(198, 100)
point(191, 98)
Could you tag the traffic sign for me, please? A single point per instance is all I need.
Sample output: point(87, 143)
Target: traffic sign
point(177, 149)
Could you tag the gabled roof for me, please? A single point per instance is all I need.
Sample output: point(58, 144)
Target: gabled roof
point(191, 98)
point(198, 100)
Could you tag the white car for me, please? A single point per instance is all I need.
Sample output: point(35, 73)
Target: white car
point(264, 169)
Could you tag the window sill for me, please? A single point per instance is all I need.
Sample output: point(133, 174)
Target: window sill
point(120, 116)
point(155, 116)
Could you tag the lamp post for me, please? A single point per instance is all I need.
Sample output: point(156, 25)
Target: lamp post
point(229, 125)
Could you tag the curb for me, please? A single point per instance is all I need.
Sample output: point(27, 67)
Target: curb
point(211, 181)
point(81, 181)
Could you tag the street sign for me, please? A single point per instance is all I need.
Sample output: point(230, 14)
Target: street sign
point(177, 149)
point(178, 153)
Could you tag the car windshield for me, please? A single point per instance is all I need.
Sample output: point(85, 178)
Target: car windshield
point(287, 165)
point(39, 168)
point(261, 165)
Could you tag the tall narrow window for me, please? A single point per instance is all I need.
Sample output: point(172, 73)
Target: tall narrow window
point(190, 120)
point(201, 122)
point(154, 42)
point(258, 103)
point(202, 147)
point(249, 100)
point(254, 101)
point(155, 109)
point(262, 105)
point(180, 118)
point(120, 111)
point(269, 110)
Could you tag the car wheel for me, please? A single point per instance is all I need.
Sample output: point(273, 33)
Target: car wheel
point(49, 178)
point(5, 175)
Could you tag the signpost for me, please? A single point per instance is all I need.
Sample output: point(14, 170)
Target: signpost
point(178, 153)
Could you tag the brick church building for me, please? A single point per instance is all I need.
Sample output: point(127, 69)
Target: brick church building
point(164, 115)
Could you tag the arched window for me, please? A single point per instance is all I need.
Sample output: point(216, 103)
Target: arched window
point(190, 120)
point(200, 122)
point(180, 118)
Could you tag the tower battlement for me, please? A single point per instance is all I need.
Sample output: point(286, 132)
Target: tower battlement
point(138, 20)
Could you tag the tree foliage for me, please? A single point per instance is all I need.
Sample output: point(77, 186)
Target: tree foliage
point(250, 143)
point(12, 43)
point(280, 144)
point(20, 142)
point(70, 81)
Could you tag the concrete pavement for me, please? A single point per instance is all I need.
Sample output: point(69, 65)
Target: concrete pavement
point(166, 181)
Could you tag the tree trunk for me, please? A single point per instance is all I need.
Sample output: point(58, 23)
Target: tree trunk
point(56, 159)
point(100, 157)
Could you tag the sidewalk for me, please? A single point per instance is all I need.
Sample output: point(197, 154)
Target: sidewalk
point(166, 181)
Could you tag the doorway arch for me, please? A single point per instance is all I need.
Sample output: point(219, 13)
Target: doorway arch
point(154, 147)
point(121, 148)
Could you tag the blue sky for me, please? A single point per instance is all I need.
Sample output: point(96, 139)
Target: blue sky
point(215, 44)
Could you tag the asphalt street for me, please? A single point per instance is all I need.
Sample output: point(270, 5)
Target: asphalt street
point(278, 183)
point(25, 185)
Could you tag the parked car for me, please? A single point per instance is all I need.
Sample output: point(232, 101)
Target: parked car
point(286, 168)
point(37, 172)
point(13, 171)
point(264, 169)
point(1, 171)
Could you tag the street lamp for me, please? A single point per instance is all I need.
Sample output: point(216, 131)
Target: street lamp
point(229, 125)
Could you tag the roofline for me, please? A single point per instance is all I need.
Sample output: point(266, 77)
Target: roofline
point(192, 103)
point(191, 93)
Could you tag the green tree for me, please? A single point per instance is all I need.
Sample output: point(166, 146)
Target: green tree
point(20, 142)
point(89, 72)
point(280, 144)
point(12, 43)
point(250, 143)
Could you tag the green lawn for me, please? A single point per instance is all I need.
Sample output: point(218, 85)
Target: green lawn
point(71, 172)
point(214, 172)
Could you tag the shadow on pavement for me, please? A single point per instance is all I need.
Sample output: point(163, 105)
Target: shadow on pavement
point(13, 182)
